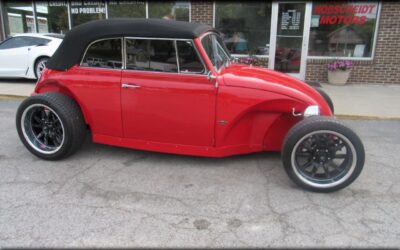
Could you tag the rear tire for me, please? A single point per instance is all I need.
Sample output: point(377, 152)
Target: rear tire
point(50, 125)
point(322, 155)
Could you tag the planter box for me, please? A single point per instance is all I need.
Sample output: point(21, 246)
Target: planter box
point(338, 77)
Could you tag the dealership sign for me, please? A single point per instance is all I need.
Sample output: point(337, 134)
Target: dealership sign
point(344, 14)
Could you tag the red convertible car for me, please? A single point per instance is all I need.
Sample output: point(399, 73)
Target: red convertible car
point(172, 87)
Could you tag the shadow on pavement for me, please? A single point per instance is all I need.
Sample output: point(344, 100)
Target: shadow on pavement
point(17, 81)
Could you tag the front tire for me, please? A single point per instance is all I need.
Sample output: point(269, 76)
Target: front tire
point(50, 125)
point(322, 155)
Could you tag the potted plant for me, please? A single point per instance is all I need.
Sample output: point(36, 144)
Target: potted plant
point(339, 71)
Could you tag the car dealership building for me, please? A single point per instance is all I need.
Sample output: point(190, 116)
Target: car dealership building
point(298, 38)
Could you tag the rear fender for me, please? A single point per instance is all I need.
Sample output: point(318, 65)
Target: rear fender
point(51, 85)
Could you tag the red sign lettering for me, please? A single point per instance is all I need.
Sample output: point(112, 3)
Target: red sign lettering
point(343, 14)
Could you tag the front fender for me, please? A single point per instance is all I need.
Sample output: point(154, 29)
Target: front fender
point(245, 116)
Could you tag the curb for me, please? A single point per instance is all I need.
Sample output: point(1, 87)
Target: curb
point(12, 97)
point(366, 117)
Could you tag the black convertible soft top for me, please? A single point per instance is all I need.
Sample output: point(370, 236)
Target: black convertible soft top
point(76, 40)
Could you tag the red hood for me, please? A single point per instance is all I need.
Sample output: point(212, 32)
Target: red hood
point(245, 76)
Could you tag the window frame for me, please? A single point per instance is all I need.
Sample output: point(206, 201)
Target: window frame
point(375, 39)
point(99, 40)
point(201, 42)
point(205, 71)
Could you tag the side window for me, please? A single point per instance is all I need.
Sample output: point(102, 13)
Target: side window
point(104, 54)
point(163, 56)
point(151, 55)
point(208, 47)
point(189, 61)
point(38, 41)
point(216, 51)
point(137, 56)
point(15, 42)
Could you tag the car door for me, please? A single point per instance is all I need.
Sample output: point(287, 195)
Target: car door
point(163, 101)
point(14, 55)
point(96, 81)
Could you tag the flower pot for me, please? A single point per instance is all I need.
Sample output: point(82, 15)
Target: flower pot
point(338, 77)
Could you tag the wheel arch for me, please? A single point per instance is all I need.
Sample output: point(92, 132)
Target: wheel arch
point(38, 58)
point(56, 86)
point(264, 124)
point(32, 71)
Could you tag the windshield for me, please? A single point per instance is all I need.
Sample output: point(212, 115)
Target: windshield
point(216, 51)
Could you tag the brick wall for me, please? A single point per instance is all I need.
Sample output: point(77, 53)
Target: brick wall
point(385, 67)
point(202, 12)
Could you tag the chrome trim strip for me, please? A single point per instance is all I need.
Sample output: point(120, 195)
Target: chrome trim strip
point(158, 38)
point(123, 48)
point(177, 56)
point(161, 72)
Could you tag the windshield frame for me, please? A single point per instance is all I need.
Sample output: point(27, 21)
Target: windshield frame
point(217, 43)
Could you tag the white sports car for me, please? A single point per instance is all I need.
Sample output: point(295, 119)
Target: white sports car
point(25, 55)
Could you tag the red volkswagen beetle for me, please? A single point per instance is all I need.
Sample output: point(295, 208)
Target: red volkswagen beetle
point(172, 87)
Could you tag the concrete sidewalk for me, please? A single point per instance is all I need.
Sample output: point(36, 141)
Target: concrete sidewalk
point(364, 101)
point(374, 101)
point(16, 88)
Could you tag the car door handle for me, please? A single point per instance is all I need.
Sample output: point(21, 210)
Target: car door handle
point(130, 86)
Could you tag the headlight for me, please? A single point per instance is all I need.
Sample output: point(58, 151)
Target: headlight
point(311, 110)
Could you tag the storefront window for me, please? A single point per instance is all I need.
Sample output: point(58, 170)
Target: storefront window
point(245, 26)
point(52, 16)
point(18, 17)
point(85, 11)
point(127, 9)
point(174, 10)
point(343, 29)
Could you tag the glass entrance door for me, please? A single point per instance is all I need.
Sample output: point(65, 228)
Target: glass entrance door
point(290, 29)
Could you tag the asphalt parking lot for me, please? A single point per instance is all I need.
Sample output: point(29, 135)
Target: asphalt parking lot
point(112, 197)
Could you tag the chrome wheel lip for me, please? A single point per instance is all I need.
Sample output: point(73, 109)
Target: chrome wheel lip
point(29, 140)
point(324, 185)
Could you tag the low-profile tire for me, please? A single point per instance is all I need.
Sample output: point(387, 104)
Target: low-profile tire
point(50, 125)
point(40, 65)
point(322, 155)
point(327, 99)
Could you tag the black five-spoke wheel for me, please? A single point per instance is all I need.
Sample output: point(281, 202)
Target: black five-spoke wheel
point(42, 128)
point(50, 125)
point(322, 154)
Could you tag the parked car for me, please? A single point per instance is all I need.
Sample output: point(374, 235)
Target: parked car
point(172, 87)
point(25, 55)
